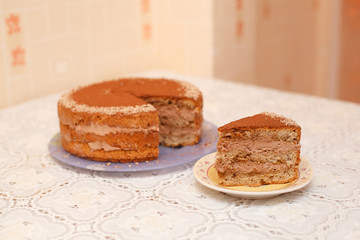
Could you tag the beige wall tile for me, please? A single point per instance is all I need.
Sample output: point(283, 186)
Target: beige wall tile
point(121, 41)
point(185, 36)
point(285, 45)
point(234, 57)
point(163, 15)
point(97, 29)
point(15, 46)
point(207, 8)
point(349, 71)
point(147, 23)
point(59, 64)
point(10, 5)
point(122, 13)
point(109, 67)
point(185, 12)
point(143, 58)
point(2, 26)
point(57, 14)
point(224, 12)
point(19, 90)
point(172, 47)
point(198, 51)
point(189, 12)
point(36, 23)
point(235, 66)
point(3, 84)
point(78, 17)
point(276, 43)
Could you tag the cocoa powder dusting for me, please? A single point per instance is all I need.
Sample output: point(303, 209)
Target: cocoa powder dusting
point(126, 95)
point(265, 119)
point(127, 92)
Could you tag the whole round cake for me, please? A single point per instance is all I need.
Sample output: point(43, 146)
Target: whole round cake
point(125, 120)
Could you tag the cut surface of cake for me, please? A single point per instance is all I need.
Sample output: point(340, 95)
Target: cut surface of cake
point(125, 120)
point(257, 150)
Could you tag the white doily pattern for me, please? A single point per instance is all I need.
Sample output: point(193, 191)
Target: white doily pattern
point(41, 198)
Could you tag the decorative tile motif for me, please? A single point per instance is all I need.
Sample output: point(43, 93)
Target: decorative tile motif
point(15, 44)
point(147, 23)
point(12, 22)
point(18, 56)
point(239, 24)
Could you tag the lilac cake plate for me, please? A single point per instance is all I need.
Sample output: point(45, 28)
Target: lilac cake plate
point(168, 157)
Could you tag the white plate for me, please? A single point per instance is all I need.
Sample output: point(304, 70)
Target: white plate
point(204, 167)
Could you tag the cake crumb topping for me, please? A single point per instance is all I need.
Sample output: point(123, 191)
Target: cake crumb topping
point(190, 90)
point(286, 121)
point(264, 119)
point(68, 102)
point(125, 96)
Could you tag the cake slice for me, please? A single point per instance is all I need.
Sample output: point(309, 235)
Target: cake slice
point(257, 150)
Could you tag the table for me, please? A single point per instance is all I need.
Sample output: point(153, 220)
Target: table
point(40, 198)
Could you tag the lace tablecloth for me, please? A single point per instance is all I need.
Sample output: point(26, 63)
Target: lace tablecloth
point(41, 198)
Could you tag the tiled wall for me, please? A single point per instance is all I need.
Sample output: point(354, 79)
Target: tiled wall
point(48, 46)
point(285, 49)
point(52, 45)
point(276, 43)
point(185, 36)
point(235, 39)
point(349, 87)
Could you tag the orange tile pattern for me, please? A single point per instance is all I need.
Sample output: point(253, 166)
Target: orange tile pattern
point(16, 53)
point(48, 46)
point(147, 25)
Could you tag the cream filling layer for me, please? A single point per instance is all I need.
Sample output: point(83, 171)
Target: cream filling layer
point(175, 112)
point(102, 146)
point(97, 145)
point(256, 146)
point(103, 130)
point(249, 167)
point(266, 135)
point(174, 131)
point(228, 158)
